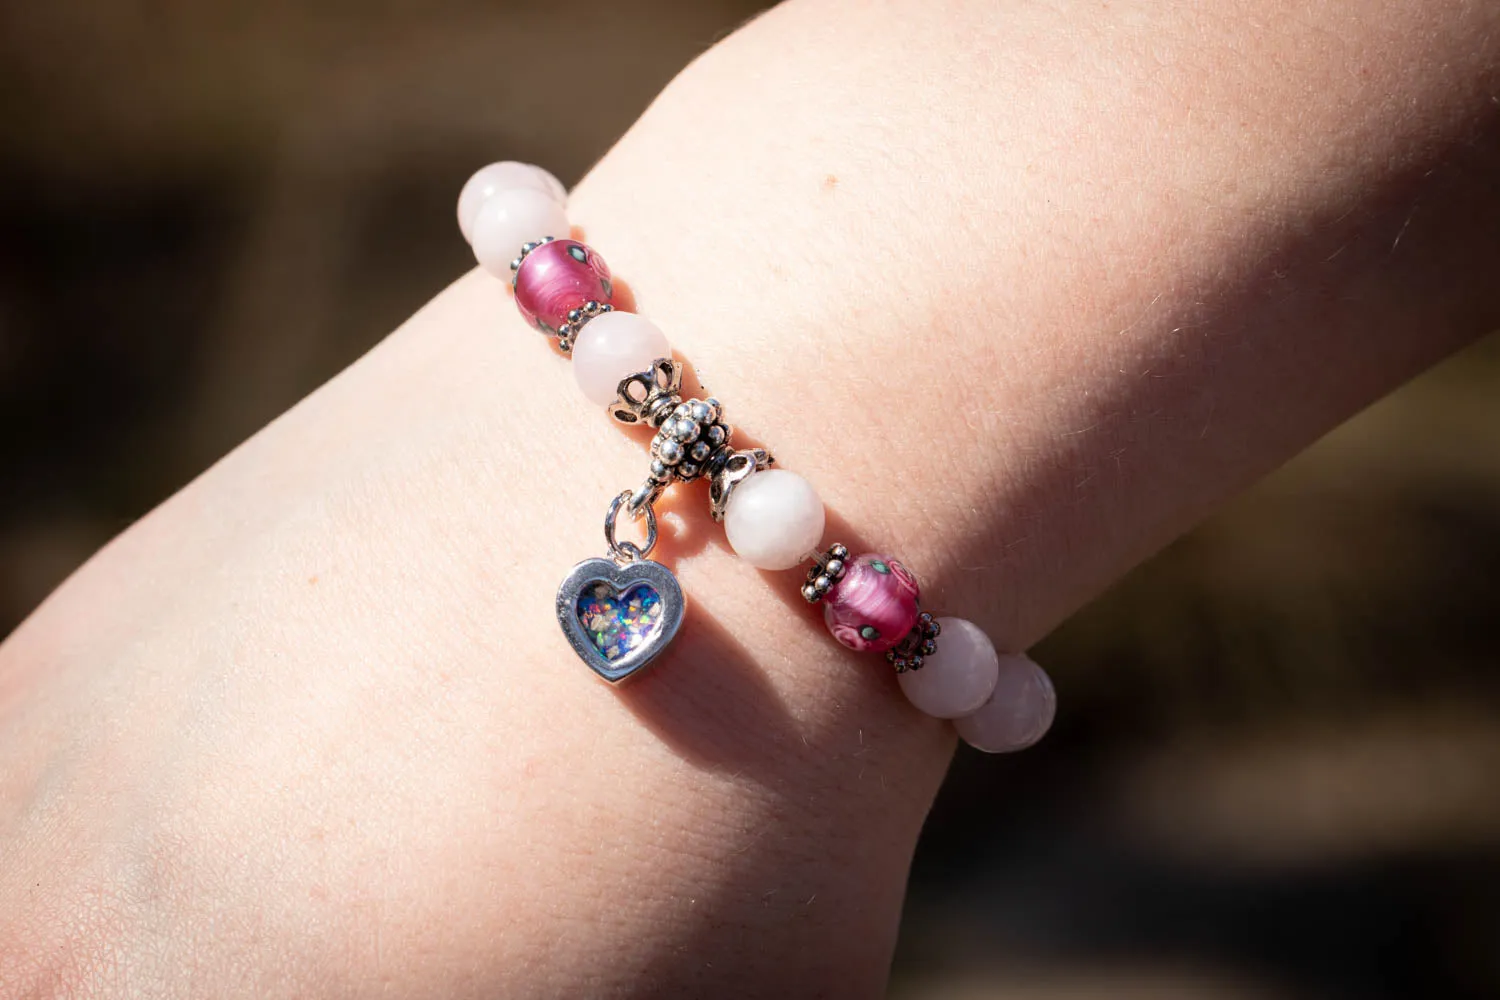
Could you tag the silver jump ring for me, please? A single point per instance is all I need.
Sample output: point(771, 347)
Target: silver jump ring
point(629, 551)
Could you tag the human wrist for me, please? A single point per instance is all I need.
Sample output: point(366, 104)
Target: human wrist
point(1089, 324)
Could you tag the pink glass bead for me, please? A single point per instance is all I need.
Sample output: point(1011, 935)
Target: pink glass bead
point(557, 277)
point(874, 606)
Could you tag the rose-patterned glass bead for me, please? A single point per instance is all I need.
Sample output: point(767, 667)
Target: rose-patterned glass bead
point(558, 277)
point(874, 606)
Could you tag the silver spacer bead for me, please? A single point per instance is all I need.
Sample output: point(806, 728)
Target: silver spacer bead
point(827, 570)
point(576, 318)
point(683, 438)
point(526, 248)
point(921, 642)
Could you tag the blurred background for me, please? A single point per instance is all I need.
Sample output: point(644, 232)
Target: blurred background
point(1277, 769)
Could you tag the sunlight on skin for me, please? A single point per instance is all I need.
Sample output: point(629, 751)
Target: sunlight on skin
point(1023, 289)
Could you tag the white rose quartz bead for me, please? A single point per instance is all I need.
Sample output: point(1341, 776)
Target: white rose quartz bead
point(774, 519)
point(959, 678)
point(509, 220)
point(1018, 713)
point(505, 176)
point(611, 347)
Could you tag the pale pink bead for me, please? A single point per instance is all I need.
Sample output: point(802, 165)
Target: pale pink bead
point(1018, 713)
point(614, 346)
point(505, 176)
point(774, 519)
point(510, 220)
point(958, 678)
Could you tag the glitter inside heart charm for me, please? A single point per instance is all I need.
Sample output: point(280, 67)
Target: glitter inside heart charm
point(619, 616)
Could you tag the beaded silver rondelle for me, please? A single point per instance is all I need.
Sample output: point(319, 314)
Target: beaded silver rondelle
point(526, 248)
point(921, 642)
point(827, 570)
point(568, 332)
point(688, 440)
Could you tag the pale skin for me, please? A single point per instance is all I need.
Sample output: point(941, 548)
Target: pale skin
point(1024, 289)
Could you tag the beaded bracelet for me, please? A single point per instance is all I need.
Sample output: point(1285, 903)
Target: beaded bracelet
point(620, 611)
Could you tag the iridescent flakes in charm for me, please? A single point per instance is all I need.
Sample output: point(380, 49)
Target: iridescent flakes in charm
point(618, 623)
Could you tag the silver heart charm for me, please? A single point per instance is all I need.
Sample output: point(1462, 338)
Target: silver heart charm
point(619, 616)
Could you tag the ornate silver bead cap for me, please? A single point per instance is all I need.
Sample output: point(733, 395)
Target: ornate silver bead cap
point(727, 470)
point(649, 397)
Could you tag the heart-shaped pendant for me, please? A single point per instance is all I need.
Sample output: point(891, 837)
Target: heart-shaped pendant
point(619, 616)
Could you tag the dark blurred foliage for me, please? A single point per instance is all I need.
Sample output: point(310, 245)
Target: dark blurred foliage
point(1277, 769)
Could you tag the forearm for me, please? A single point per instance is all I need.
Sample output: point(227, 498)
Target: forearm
point(1023, 292)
